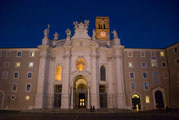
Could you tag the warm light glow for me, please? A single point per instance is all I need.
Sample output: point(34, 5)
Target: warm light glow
point(162, 54)
point(147, 100)
point(27, 97)
point(130, 64)
point(59, 73)
point(81, 83)
point(32, 54)
point(18, 64)
point(103, 34)
point(80, 64)
point(135, 96)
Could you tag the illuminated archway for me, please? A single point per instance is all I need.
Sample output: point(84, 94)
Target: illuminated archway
point(80, 91)
point(136, 102)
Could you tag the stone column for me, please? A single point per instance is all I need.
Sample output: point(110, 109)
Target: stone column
point(121, 101)
point(88, 105)
point(110, 92)
point(94, 83)
point(42, 79)
point(52, 74)
point(66, 79)
point(71, 107)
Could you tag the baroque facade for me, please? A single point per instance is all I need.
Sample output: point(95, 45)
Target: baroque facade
point(82, 71)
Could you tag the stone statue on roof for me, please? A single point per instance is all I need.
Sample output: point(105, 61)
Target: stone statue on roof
point(115, 34)
point(46, 31)
point(81, 30)
point(56, 35)
point(94, 35)
point(68, 33)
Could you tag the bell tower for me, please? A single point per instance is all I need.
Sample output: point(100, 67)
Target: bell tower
point(102, 28)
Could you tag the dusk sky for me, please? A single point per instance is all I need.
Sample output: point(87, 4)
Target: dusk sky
point(139, 23)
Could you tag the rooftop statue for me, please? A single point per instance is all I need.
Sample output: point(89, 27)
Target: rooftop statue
point(56, 35)
point(81, 30)
point(94, 35)
point(68, 33)
point(116, 40)
point(115, 34)
point(46, 31)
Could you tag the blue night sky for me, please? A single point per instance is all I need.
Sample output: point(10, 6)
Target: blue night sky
point(139, 23)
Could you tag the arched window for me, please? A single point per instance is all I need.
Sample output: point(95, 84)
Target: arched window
point(80, 64)
point(59, 73)
point(102, 73)
point(99, 26)
point(104, 26)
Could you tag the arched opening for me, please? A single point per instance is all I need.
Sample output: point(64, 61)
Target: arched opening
point(136, 102)
point(102, 73)
point(80, 92)
point(159, 99)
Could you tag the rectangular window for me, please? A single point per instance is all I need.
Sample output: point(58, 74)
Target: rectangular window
point(29, 75)
point(165, 75)
point(132, 86)
point(16, 75)
point(162, 54)
point(175, 50)
point(6, 64)
point(31, 64)
point(129, 53)
point(147, 99)
point(28, 87)
point(131, 74)
point(19, 53)
point(32, 53)
point(146, 85)
point(144, 75)
point(18, 64)
point(177, 61)
point(14, 87)
point(130, 64)
point(8, 53)
point(153, 62)
point(164, 64)
point(153, 53)
point(156, 78)
point(5, 75)
point(142, 53)
point(143, 64)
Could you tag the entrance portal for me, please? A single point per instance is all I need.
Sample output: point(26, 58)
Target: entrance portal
point(136, 102)
point(159, 99)
point(80, 92)
point(81, 100)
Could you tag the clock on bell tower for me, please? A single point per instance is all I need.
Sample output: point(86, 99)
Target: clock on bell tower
point(102, 28)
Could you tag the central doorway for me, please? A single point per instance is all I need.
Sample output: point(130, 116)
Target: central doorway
point(80, 92)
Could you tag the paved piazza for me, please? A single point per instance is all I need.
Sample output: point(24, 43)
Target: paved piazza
point(4, 115)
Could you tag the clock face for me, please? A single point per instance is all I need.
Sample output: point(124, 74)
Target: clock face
point(103, 34)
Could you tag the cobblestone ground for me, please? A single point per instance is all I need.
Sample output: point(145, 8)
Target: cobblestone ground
point(9, 115)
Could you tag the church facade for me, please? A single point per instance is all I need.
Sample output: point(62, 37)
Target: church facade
point(82, 71)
